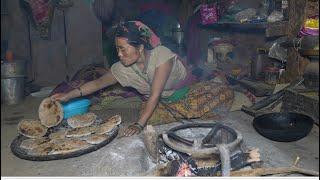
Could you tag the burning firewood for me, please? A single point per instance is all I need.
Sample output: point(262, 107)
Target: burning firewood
point(254, 156)
point(272, 171)
point(184, 170)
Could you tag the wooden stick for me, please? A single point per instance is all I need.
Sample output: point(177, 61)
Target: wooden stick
point(271, 171)
point(296, 161)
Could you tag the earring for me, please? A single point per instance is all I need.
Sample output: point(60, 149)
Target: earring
point(142, 55)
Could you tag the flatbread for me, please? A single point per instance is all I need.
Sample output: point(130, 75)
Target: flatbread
point(68, 145)
point(33, 143)
point(31, 128)
point(109, 125)
point(50, 112)
point(42, 150)
point(96, 138)
point(82, 120)
point(61, 134)
point(80, 132)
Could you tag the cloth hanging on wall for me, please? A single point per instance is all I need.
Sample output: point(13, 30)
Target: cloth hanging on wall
point(40, 12)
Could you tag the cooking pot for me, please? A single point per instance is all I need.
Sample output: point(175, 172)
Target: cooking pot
point(283, 126)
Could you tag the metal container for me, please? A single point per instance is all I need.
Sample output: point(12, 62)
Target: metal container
point(178, 35)
point(12, 82)
point(309, 42)
point(257, 66)
point(13, 69)
point(12, 90)
point(283, 127)
point(222, 53)
point(271, 75)
point(311, 74)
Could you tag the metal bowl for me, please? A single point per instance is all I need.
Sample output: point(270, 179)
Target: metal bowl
point(283, 127)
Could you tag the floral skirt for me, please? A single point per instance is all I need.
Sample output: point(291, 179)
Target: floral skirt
point(201, 101)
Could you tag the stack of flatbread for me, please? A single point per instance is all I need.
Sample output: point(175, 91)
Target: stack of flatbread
point(41, 149)
point(33, 143)
point(96, 138)
point(64, 146)
point(50, 112)
point(61, 134)
point(31, 128)
point(82, 120)
point(46, 146)
point(109, 125)
point(102, 130)
point(82, 134)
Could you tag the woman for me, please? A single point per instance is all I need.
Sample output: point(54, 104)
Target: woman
point(152, 69)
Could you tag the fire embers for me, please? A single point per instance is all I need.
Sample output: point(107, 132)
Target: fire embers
point(184, 170)
point(180, 164)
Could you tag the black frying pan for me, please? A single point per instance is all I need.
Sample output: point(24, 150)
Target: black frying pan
point(283, 127)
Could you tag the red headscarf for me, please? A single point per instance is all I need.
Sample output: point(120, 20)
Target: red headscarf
point(138, 33)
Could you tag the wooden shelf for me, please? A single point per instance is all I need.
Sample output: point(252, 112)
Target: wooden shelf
point(270, 29)
point(219, 25)
point(309, 52)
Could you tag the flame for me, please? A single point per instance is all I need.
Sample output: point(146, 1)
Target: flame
point(184, 170)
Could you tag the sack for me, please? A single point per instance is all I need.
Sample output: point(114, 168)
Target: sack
point(209, 14)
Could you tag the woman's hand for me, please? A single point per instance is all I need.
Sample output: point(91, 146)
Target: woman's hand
point(63, 97)
point(133, 129)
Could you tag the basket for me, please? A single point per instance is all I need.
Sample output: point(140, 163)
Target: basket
point(306, 103)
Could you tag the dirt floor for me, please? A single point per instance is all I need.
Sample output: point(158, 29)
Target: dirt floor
point(129, 157)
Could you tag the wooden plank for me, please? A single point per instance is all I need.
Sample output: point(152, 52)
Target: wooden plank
point(277, 29)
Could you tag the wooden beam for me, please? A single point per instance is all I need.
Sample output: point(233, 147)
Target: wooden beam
point(296, 19)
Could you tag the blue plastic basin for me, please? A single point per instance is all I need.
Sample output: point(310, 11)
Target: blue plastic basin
point(75, 107)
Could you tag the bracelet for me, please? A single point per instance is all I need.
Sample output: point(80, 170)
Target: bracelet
point(139, 125)
point(80, 91)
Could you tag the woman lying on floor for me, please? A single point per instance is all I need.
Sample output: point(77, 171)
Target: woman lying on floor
point(159, 75)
